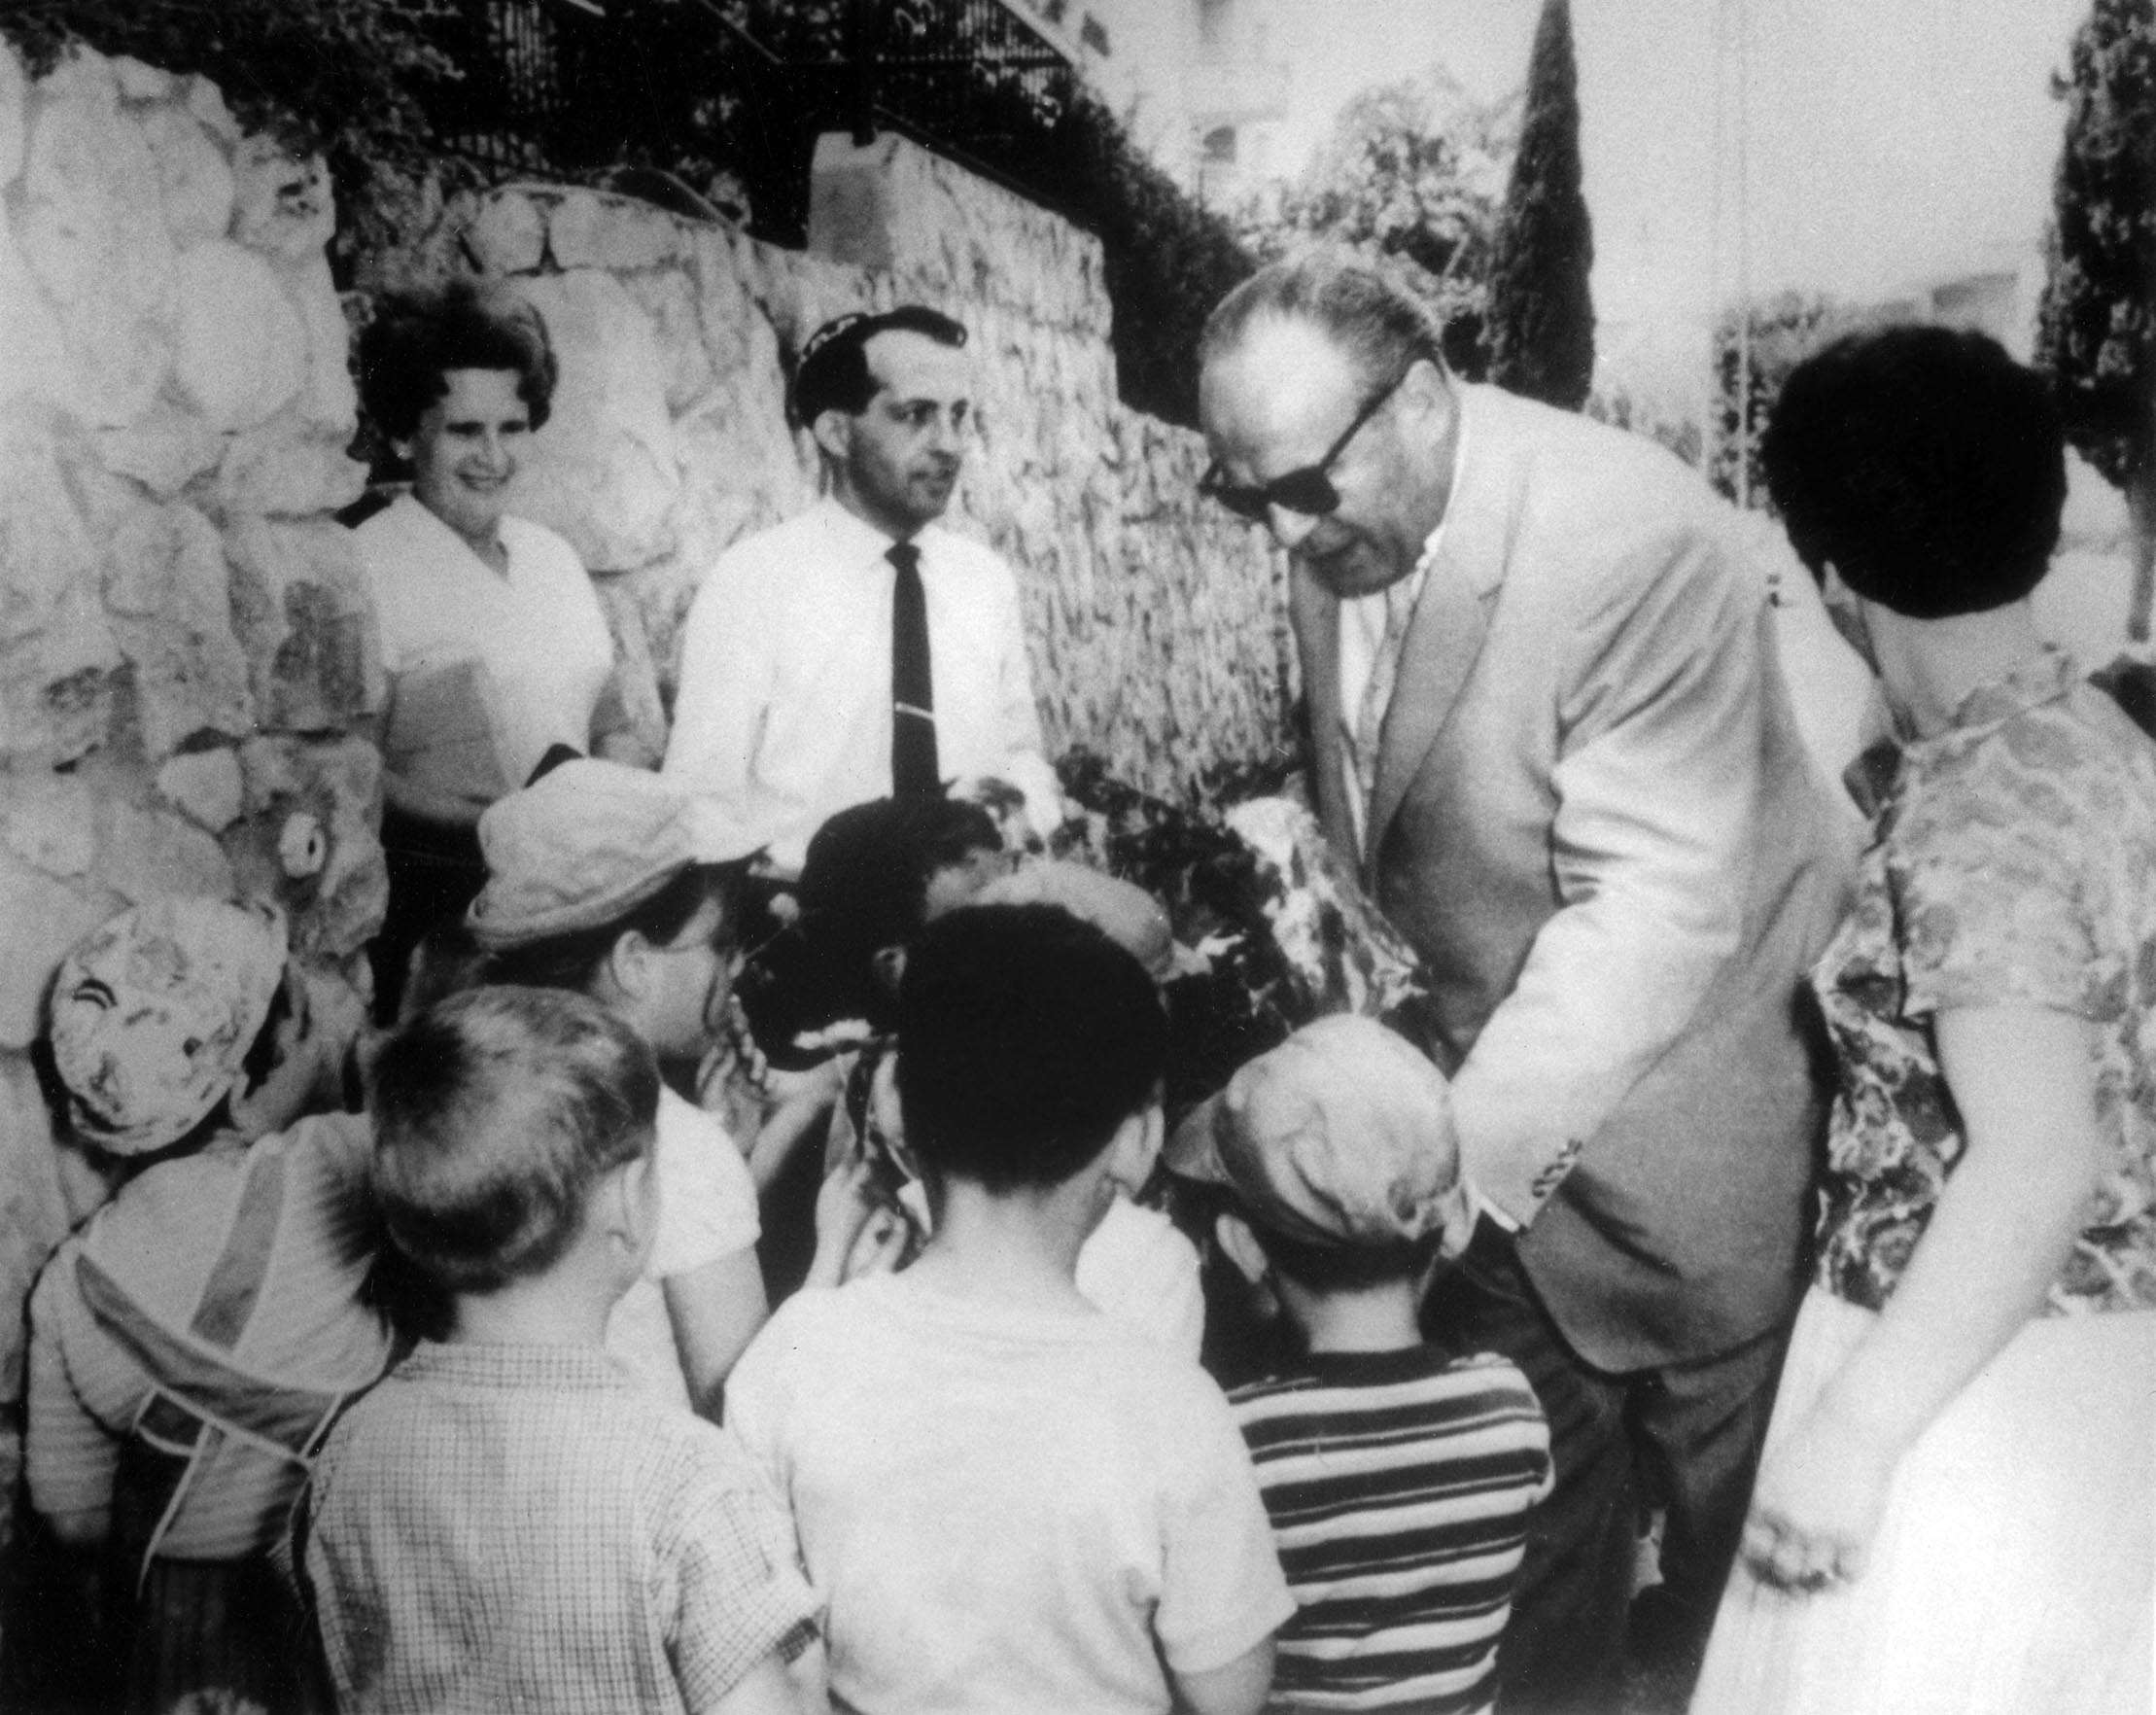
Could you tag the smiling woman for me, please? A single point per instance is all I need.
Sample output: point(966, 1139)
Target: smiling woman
point(496, 648)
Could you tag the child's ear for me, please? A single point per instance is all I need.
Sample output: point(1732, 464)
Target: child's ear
point(889, 964)
point(1240, 1246)
point(1461, 1212)
point(628, 963)
point(632, 1206)
point(1136, 1149)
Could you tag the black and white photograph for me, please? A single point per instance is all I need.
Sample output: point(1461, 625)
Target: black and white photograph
point(1078, 857)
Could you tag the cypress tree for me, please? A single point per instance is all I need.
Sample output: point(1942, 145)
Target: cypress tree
point(2097, 326)
point(1542, 317)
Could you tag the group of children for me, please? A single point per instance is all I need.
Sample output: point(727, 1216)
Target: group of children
point(971, 1462)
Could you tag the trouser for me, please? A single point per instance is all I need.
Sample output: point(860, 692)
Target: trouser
point(1684, 1437)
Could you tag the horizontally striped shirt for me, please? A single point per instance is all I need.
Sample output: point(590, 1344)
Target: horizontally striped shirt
point(1400, 1486)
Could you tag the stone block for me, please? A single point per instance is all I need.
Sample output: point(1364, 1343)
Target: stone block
point(37, 367)
point(283, 205)
point(604, 472)
point(194, 179)
point(668, 296)
point(92, 229)
point(34, 1215)
point(82, 77)
point(14, 101)
point(49, 820)
point(598, 229)
point(329, 400)
point(205, 784)
point(145, 852)
point(287, 468)
point(167, 590)
point(302, 611)
point(507, 234)
point(139, 81)
point(207, 102)
point(242, 346)
point(309, 839)
point(58, 654)
point(164, 451)
point(40, 920)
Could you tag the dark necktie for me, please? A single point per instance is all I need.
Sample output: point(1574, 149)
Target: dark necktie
point(912, 700)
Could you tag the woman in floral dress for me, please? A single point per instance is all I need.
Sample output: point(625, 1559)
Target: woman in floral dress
point(1954, 1510)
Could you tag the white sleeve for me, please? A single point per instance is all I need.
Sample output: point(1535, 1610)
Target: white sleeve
point(1025, 762)
point(1137, 1267)
point(724, 689)
point(706, 1199)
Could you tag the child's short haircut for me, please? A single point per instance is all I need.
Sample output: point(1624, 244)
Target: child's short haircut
point(1347, 1268)
point(494, 1112)
point(1026, 1037)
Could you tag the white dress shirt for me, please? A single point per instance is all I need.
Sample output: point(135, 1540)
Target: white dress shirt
point(784, 713)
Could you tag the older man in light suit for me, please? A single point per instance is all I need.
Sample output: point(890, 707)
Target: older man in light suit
point(1548, 721)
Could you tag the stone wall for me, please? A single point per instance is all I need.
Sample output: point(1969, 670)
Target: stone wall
point(1154, 621)
point(186, 645)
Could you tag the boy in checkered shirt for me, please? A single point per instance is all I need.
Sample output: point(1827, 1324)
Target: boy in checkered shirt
point(506, 1522)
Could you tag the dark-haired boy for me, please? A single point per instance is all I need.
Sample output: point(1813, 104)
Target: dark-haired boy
point(507, 1522)
point(861, 650)
point(1006, 1500)
point(1400, 1479)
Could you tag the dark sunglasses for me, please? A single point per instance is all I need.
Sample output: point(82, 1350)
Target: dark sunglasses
point(1308, 492)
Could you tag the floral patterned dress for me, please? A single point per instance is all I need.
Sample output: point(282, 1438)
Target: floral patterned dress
point(2013, 863)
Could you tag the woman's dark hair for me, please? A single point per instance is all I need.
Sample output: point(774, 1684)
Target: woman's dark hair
point(572, 960)
point(834, 375)
point(1925, 464)
point(1026, 1037)
point(417, 338)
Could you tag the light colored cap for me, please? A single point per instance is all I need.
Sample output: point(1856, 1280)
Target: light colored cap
point(1343, 1134)
point(586, 844)
point(1126, 913)
point(153, 1012)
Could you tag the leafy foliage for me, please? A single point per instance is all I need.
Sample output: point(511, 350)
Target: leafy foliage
point(1411, 175)
point(1541, 339)
point(346, 77)
point(1167, 260)
point(2097, 327)
point(1785, 329)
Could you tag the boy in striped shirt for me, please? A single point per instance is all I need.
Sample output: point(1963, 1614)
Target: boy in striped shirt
point(1400, 1479)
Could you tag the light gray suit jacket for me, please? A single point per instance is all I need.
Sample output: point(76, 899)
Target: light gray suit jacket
point(1594, 819)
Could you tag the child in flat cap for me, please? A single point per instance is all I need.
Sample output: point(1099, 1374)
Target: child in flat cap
point(192, 1342)
point(1400, 1479)
point(610, 882)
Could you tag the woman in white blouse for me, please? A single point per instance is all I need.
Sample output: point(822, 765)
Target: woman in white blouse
point(497, 648)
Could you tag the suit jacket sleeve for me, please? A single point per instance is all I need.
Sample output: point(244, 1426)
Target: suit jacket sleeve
point(1659, 728)
point(725, 684)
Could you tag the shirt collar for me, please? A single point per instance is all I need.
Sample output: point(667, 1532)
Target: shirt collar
point(856, 537)
point(580, 1368)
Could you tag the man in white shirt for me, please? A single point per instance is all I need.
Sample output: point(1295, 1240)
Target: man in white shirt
point(805, 686)
point(1550, 730)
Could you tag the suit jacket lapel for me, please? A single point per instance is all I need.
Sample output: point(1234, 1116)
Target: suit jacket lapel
point(1315, 618)
point(1451, 619)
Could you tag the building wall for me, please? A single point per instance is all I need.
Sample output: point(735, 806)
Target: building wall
point(186, 652)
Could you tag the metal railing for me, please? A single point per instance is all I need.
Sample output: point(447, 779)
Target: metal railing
point(694, 86)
